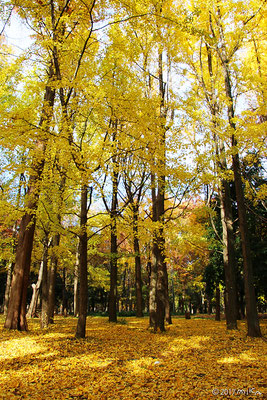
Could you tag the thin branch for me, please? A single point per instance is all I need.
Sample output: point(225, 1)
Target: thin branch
point(7, 20)
point(121, 20)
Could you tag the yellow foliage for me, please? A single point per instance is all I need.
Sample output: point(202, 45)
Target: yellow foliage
point(190, 360)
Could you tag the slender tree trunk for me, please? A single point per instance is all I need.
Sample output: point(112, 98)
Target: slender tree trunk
point(152, 291)
point(36, 288)
point(251, 303)
point(218, 304)
point(138, 271)
point(112, 305)
point(161, 284)
point(228, 257)
point(154, 266)
point(83, 297)
point(64, 294)
point(44, 320)
point(8, 285)
point(124, 292)
point(128, 287)
point(75, 288)
point(173, 295)
point(210, 305)
point(113, 271)
point(52, 279)
point(16, 313)
point(52, 274)
point(158, 277)
point(167, 306)
point(240, 302)
point(162, 298)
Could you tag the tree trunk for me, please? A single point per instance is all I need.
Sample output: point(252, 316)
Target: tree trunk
point(16, 313)
point(228, 257)
point(154, 266)
point(138, 272)
point(83, 297)
point(218, 304)
point(112, 310)
point(112, 304)
point(51, 291)
point(36, 288)
point(52, 279)
point(173, 295)
point(251, 304)
point(152, 291)
point(162, 297)
point(240, 302)
point(75, 286)
point(64, 295)
point(8, 286)
point(167, 306)
point(161, 284)
point(44, 321)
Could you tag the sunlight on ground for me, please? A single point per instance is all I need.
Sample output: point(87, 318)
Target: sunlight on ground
point(19, 347)
point(127, 361)
point(243, 357)
point(194, 342)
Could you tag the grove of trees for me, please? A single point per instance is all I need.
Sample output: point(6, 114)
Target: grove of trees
point(133, 137)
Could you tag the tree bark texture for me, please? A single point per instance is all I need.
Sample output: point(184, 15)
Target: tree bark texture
point(83, 295)
point(52, 274)
point(112, 309)
point(218, 304)
point(152, 292)
point(167, 305)
point(228, 257)
point(8, 285)
point(35, 293)
point(64, 294)
point(112, 304)
point(16, 313)
point(251, 303)
point(154, 266)
point(138, 271)
point(76, 285)
point(162, 296)
point(44, 320)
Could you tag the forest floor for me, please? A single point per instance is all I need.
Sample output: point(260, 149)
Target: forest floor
point(194, 359)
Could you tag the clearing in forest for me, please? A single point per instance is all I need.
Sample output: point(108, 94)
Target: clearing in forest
point(194, 359)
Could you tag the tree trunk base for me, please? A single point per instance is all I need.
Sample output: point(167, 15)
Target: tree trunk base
point(16, 322)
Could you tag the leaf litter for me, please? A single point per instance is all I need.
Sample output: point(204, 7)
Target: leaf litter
point(194, 359)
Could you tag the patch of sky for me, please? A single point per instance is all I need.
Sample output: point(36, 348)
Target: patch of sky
point(17, 34)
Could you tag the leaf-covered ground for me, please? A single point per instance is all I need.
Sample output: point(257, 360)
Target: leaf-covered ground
point(194, 359)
